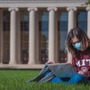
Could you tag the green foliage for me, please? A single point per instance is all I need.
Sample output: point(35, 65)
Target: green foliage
point(88, 2)
point(16, 80)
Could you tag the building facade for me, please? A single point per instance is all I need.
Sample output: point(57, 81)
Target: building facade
point(34, 31)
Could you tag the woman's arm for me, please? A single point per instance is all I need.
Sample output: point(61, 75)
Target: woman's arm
point(74, 63)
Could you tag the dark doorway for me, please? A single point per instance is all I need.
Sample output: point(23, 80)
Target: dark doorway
point(24, 56)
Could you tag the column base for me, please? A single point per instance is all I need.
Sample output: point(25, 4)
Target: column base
point(12, 63)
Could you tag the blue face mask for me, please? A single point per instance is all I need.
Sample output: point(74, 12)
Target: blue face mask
point(78, 46)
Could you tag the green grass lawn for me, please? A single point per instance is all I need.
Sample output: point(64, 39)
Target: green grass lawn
point(16, 80)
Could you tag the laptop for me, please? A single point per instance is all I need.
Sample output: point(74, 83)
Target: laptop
point(62, 70)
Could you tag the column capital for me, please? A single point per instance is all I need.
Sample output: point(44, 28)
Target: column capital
point(52, 8)
point(71, 8)
point(32, 8)
point(88, 8)
point(13, 8)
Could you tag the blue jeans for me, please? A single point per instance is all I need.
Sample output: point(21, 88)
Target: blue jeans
point(75, 79)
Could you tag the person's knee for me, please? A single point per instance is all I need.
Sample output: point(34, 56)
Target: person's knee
point(78, 76)
point(56, 80)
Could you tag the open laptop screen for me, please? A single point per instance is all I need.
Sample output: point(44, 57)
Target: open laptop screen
point(62, 70)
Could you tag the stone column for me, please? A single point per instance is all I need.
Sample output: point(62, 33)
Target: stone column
point(52, 35)
point(18, 38)
point(57, 37)
point(13, 35)
point(1, 37)
point(71, 24)
point(32, 36)
point(88, 21)
point(37, 39)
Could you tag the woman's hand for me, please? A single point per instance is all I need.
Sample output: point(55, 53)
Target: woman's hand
point(50, 62)
point(81, 72)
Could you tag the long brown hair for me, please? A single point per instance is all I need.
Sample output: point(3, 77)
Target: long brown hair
point(82, 37)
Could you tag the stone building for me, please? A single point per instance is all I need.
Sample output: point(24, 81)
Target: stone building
point(34, 31)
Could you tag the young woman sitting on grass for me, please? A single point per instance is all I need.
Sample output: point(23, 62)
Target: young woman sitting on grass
point(78, 44)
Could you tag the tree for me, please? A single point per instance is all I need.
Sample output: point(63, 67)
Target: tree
point(88, 2)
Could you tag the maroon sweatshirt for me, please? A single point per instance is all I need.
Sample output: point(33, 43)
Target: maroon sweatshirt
point(81, 62)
